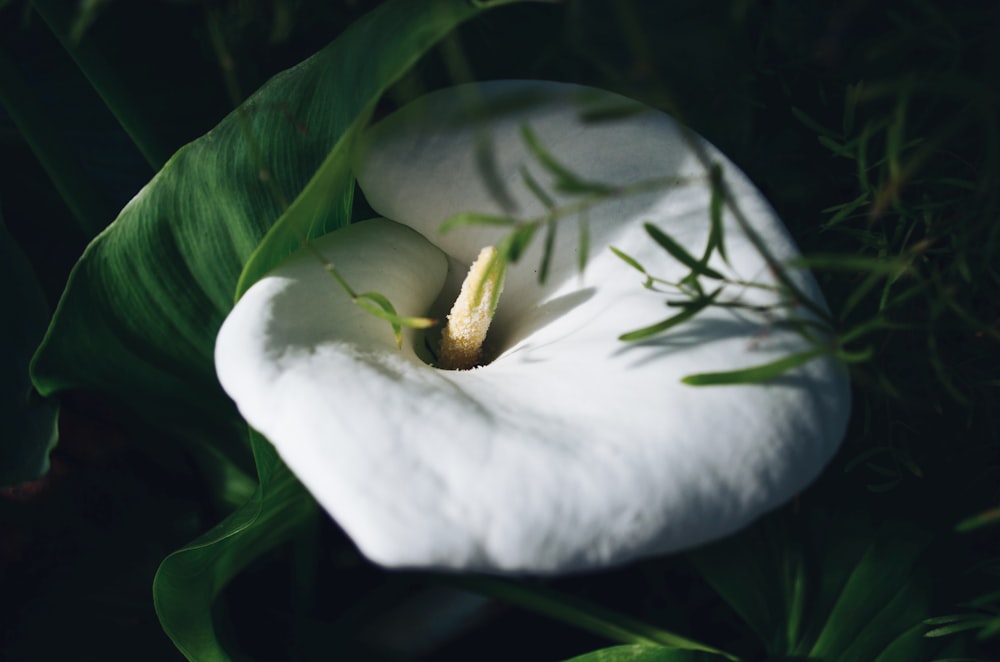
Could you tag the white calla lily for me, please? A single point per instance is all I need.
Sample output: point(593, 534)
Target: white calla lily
point(571, 449)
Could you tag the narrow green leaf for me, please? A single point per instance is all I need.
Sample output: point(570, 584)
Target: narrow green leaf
point(646, 653)
point(583, 247)
point(466, 219)
point(691, 309)
point(536, 189)
point(811, 123)
point(581, 614)
point(986, 518)
point(716, 205)
point(941, 620)
point(894, 137)
point(629, 260)
point(495, 274)
point(514, 244)
point(679, 253)
point(845, 210)
point(861, 356)
point(864, 183)
point(378, 305)
point(548, 248)
point(835, 147)
point(968, 623)
point(760, 373)
point(851, 95)
point(565, 180)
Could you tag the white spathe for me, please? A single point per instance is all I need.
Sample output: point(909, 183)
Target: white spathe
point(571, 450)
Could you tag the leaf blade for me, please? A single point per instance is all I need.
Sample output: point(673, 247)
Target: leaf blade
point(754, 374)
point(679, 253)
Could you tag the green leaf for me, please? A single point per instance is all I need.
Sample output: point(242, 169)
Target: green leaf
point(679, 253)
point(811, 123)
point(363, 74)
point(514, 244)
point(759, 373)
point(378, 305)
point(471, 218)
point(189, 580)
point(644, 653)
point(29, 423)
point(629, 260)
point(582, 614)
point(143, 305)
point(549, 248)
point(583, 247)
point(691, 308)
point(716, 205)
point(832, 587)
point(536, 189)
point(844, 210)
point(757, 573)
point(985, 518)
point(565, 179)
point(884, 597)
point(967, 622)
point(836, 147)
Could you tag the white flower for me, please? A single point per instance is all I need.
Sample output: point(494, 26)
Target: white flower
point(571, 449)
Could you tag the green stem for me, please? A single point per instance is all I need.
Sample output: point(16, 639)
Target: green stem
point(579, 613)
point(59, 18)
point(91, 210)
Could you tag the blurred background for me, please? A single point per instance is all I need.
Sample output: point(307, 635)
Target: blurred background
point(871, 127)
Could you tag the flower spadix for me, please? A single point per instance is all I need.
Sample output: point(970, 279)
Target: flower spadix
point(469, 320)
point(569, 449)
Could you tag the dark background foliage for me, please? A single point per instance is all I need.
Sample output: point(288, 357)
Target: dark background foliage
point(871, 127)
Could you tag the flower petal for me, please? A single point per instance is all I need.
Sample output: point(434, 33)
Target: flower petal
point(571, 450)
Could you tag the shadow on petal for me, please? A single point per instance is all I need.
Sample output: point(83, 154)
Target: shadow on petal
point(508, 331)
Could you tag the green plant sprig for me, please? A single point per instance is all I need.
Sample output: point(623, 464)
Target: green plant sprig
point(586, 194)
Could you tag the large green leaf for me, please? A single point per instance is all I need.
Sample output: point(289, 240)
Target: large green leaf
point(142, 307)
point(883, 599)
point(644, 653)
point(29, 423)
point(366, 71)
point(835, 588)
point(189, 580)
